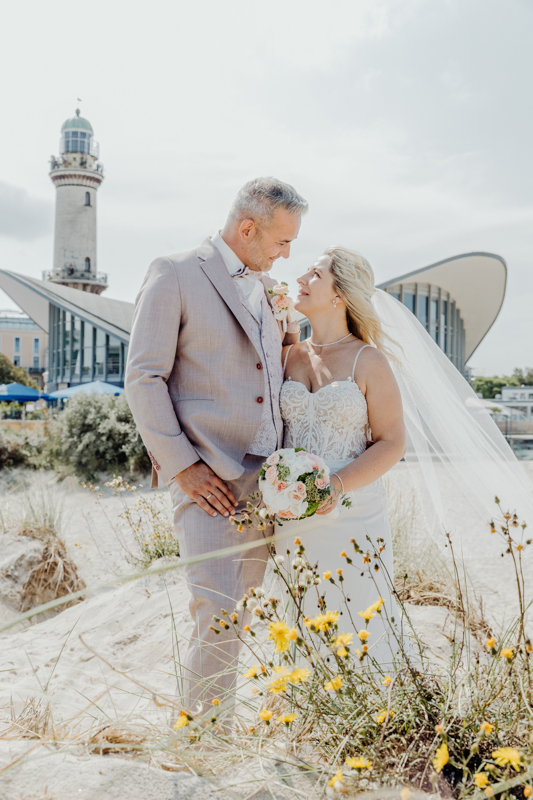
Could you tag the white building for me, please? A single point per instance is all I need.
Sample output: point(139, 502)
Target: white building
point(24, 343)
point(517, 398)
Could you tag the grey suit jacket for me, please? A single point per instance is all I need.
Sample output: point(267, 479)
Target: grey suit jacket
point(193, 377)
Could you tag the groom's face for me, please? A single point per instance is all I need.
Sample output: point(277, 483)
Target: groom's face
point(271, 240)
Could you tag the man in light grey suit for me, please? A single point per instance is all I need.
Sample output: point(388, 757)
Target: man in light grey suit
point(203, 380)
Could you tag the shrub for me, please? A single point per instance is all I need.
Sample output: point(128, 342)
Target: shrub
point(11, 452)
point(9, 373)
point(97, 432)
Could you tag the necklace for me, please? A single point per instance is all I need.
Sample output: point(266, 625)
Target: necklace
point(327, 344)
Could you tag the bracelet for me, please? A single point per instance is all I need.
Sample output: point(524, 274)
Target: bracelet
point(339, 477)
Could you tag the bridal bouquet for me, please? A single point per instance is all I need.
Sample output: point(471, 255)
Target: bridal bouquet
point(294, 483)
point(282, 304)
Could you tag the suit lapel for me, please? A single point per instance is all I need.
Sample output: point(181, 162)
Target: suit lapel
point(212, 263)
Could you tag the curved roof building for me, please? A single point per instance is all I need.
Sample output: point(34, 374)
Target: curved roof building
point(457, 300)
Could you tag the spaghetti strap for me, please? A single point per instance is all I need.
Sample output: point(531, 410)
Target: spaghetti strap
point(286, 357)
point(357, 356)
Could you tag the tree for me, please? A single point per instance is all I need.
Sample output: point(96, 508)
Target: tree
point(490, 387)
point(524, 376)
point(9, 373)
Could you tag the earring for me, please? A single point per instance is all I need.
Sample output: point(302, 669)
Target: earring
point(335, 302)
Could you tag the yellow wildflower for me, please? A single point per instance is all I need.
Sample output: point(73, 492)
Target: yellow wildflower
point(280, 682)
point(508, 755)
point(292, 634)
point(247, 628)
point(240, 528)
point(299, 675)
point(215, 702)
point(333, 685)
point(281, 635)
point(506, 652)
point(387, 680)
point(442, 757)
point(265, 714)
point(382, 716)
point(182, 721)
point(490, 642)
point(343, 639)
point(336, 778)
point(297, 541)
point(528, 791)
point(324, 621)
point(339, 572)
point(481, 779)
point(286, 718)
point(439, 728)
point(363, 635)
point(327, 575)
point(377, 605)
point(342, 652)
point(489, 791)
point(486, 728)
point(343, 554)
point(358, 763)
point(368, 614)
point(252, 672)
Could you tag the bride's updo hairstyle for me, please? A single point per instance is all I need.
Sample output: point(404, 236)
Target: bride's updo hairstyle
point(353, 279)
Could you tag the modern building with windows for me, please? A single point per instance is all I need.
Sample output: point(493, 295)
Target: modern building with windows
point(456, 300)
point(24, 343)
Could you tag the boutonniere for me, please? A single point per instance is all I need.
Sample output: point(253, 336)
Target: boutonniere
point(282, 304)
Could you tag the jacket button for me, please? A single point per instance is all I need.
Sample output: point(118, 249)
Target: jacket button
point(259, 366)
point(259, 399)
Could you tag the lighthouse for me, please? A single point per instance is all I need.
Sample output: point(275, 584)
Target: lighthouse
point(77, 175)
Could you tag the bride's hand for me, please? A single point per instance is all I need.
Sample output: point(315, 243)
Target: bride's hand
point(331, 502)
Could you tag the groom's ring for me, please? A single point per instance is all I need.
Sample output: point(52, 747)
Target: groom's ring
point(208, 496)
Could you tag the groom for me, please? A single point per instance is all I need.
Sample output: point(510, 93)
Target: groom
point(203, 380)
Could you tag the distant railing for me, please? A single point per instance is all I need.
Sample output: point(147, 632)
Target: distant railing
point(73, 274)
point(515, 427)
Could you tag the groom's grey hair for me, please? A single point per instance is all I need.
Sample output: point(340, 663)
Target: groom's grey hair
point(259, 199)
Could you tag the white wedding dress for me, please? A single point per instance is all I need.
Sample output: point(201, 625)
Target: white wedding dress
point(333, 424)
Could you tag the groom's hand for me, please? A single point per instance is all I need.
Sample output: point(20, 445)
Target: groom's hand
point(202, 485)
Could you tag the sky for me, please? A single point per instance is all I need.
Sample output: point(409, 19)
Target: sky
point(406, 124)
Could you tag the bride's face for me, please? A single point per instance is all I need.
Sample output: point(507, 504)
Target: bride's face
point(316, 292)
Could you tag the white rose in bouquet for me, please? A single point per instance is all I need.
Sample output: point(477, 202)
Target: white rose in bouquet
point(294, 483)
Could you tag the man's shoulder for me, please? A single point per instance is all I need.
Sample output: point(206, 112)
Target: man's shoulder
point(179, 261)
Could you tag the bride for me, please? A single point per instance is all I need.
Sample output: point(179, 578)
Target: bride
point(339, 393)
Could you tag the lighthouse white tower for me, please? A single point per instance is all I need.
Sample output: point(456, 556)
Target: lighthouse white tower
point(77, 175)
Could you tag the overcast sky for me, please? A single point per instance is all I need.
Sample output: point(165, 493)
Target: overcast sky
point(407, 124)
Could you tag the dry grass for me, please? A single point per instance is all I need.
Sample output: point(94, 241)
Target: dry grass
point(55, 576)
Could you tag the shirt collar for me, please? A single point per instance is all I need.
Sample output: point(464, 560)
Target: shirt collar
point(231, 259)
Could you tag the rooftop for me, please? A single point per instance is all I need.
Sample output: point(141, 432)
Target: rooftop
point(77, 122)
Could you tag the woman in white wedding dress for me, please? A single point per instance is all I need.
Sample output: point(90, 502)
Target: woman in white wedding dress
point(339, 393)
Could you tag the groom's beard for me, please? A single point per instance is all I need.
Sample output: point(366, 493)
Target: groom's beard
point(256, 258)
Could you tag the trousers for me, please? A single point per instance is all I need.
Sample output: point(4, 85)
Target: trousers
point(209, 670)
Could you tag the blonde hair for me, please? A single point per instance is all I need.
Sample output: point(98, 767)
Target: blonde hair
point(353, 279)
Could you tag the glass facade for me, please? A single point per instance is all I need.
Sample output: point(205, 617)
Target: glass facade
point(81, 352)
point(439, 315)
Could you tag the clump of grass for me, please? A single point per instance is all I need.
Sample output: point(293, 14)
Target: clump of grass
point(148, 519)
point(54, 576)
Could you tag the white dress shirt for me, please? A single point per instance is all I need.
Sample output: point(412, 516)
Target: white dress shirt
point(250, 282)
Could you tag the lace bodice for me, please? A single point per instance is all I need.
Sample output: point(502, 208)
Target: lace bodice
point(332, 423)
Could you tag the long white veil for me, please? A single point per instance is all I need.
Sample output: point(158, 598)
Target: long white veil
point(454, 446)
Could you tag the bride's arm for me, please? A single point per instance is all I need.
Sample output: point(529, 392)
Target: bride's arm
point(385, 415)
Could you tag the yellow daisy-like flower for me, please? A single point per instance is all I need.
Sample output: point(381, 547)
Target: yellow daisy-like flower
point(342, 652)
point(358, 763)
point(382, 716)
point(363, 635)
point(377, 605)
point(297, 541)
point(299, 675)
point(280, 682)
point(481, 779)
point(343, 639)
point(333, 685)
point(368, 614)
point(343, 554)
point(324, 621)
point(508, 755)
point(215, 702)
point(265, 714)
point(528, 791)
point(292, 635)
point(281, 634)
point(490, 642)
point(327, 575)
point(252, 672)
point(286, 718)
point(442, 757)
point(486, 728)
point(182, 721)
point(339, 571)
point(336, 778)
point(506, 652)
point(387, 680)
